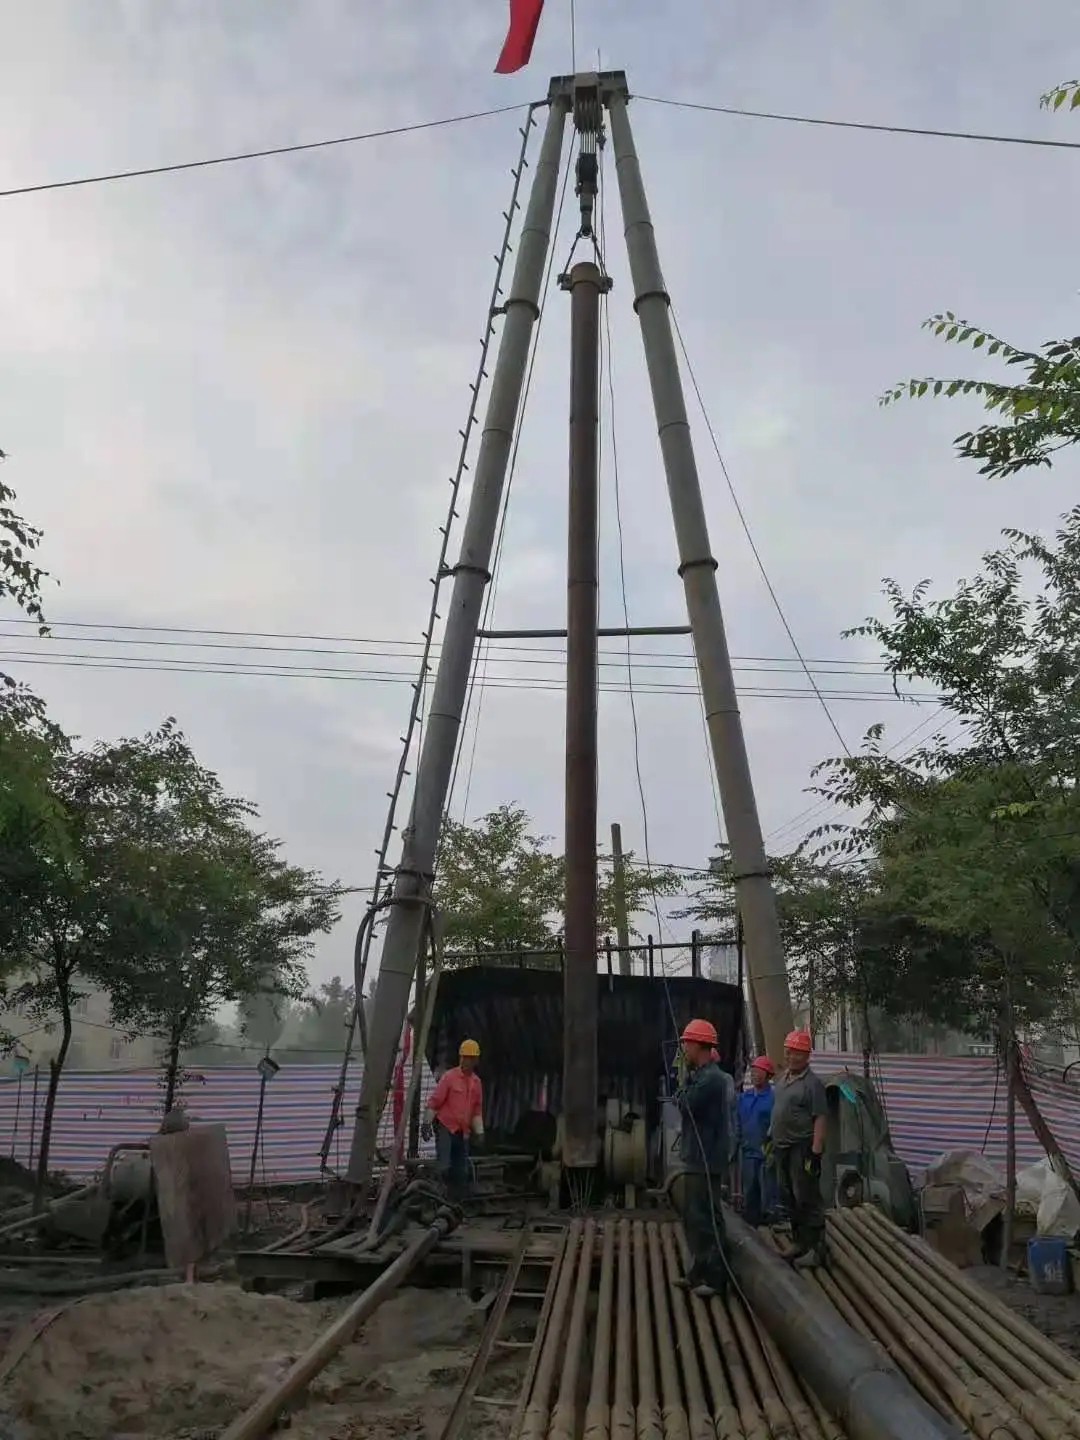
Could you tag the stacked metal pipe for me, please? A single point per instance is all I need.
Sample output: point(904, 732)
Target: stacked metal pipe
point(653, 1362)
point(975, 1361)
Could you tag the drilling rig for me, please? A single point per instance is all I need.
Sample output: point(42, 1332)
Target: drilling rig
point(584, 1047)
point(585, 101)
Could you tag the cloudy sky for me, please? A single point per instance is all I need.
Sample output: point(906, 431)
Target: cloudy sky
point(231, 396)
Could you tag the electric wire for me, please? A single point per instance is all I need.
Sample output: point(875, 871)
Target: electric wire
point(815, 120)
point(748, 533)
point(133, 665)
point(233, 159)
point(867, 666)
point(819, 807)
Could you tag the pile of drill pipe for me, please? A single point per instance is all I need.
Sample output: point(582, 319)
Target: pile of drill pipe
point(648, 1360)
point(975, 1361)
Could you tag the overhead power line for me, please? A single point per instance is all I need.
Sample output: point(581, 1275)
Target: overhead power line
point(818, 120)
point(508, 653)
point(80, 661)
point(206, 163)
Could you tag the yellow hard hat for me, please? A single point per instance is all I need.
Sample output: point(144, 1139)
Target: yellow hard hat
point(470, 1048)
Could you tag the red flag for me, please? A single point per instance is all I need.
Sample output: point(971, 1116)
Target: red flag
point(524, 20)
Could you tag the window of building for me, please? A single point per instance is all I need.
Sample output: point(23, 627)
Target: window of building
point(116, 1047)
point(82, 1005)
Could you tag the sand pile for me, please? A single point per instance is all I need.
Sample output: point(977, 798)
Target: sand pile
point(167, 1364)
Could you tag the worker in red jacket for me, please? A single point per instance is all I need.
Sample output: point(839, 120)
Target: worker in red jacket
point(457, 1117)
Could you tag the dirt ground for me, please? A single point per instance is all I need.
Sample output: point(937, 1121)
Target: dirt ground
point(1057, 1316)
point(178, 1363)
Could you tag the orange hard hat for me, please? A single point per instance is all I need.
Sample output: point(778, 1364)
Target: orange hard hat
point(799, 1040)
point(763, 1063)
point(700, 1032)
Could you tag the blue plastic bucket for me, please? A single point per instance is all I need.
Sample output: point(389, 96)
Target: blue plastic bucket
point(1049, 1268)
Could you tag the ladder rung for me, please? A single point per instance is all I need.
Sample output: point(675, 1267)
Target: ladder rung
point(529, 1294)
point(491, 1400)
point(514, 1344)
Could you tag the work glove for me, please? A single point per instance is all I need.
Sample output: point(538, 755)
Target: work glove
point(426, 1131)
point(812, 1166)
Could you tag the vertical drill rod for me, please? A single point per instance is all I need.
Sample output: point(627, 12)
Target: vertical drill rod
point(586, 285)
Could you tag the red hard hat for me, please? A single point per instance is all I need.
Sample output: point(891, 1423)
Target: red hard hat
point(700, 1032)
point(763, 1063)
point(799, 1040)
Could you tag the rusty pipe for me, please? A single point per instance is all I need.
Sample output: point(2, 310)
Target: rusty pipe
point(534, 1419)
point(598, 1410)
point(862, 1317)
point(939, 1363)
point(873, 1402)
point(564, 1417)
point(1048, 1413)
point(1043, 1358)
point(724, 1411)
point(671, 1408)
point(257, 1419)
point(649, 1425)
point(776, 1415)
point(699, 1420)
point(623, 1426)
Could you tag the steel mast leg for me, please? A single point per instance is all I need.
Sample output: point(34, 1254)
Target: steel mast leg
point(412, 885)
point(586, 285)
point(753, 885)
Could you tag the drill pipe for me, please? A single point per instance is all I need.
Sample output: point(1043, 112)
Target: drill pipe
point(872, 1402)
point(534, 1420)
point(258, 1418)
point(861, 1315)
point(777, 1417)
point(674, 1416)
point(564, 1417)
point(598, 1411)
point(932, 1359)
point(699, 1420)
point(648, 1408)
point(724, 1410)
point(847, 1311)
point(1049, 1413)
point(750, 1416)
point(806, 1409)
point(623, 1425)
point(958, 1284)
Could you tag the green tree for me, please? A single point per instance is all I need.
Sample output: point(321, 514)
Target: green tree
point(20, 575)
point(214, 914)
point(501, 889)
point(144, 878)
point(1037, 409)
point(970, 842)
point(819, 906)
point(316, 1029)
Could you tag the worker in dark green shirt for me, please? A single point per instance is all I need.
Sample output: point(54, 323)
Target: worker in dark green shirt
point(797, 1136)
point(707, 1147)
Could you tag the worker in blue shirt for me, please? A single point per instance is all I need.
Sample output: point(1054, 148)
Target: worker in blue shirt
point(755, 1117)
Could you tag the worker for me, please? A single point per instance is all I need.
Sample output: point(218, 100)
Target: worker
point(755, 1116)
point(706, 1148)
point(797, 1133)
point(457, 1115)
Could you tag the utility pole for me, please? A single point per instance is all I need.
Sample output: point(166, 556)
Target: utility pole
point(413, 880)
point(622, 919)
point(697, 567)
point(585, 284)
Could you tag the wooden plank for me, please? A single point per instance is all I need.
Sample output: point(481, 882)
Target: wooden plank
point(193, 1179)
